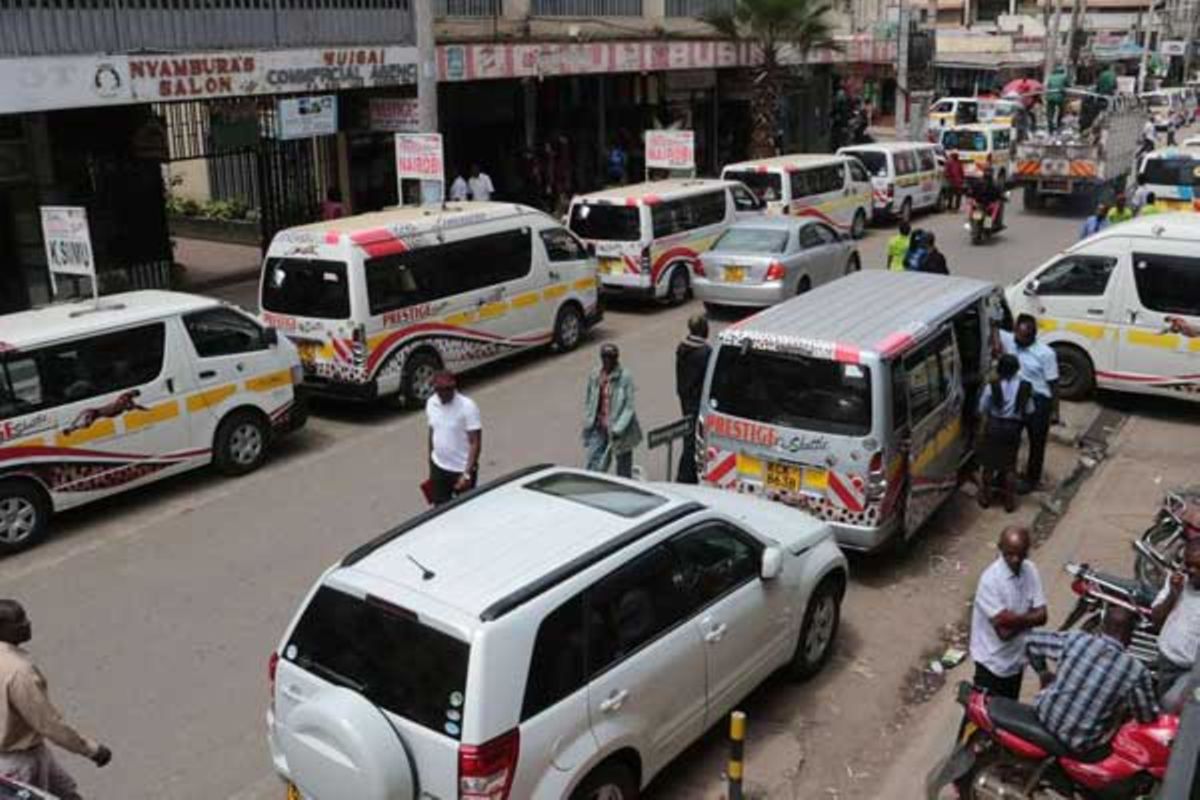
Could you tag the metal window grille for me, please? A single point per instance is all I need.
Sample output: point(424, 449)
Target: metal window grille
point(443, 9)
point(694, 9)
point(587, 8)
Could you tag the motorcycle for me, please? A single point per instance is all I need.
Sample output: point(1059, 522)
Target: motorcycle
point(983, 221)
point(1004, 752)
point(1097, 591)
point(1160, 548)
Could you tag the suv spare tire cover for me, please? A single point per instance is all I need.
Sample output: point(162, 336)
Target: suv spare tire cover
point(339, 745)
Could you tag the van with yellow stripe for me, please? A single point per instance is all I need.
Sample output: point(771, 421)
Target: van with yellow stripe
point(1111, 305)
point(980, 147)
point(102, 396)
point(649, 236)
point(379, 303)
point(905, 177)
point(1172, 175)
point(832, 188)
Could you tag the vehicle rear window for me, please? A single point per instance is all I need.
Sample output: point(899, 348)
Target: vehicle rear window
point(876, 163)
point(305, 287)
point(1172, 171)
point(792, 391)
point(971, 141)
point(387, 655)
point(616, 498)
point(606, 223)
point(752, 240)
point(767, 185)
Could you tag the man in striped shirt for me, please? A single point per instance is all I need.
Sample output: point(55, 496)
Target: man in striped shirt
point(1096, 679)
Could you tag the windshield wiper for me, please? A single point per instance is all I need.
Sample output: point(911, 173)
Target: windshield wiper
point(331, 675)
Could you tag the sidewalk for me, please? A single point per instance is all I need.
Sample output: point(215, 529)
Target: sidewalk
point(1150, 454)
point(211, 264)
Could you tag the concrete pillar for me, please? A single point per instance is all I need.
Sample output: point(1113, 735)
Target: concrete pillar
point(602, 128)
point(529, 95)
point(426, 65)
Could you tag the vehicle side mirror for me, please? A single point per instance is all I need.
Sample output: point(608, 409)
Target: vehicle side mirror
point(772, 563)
point(270, 337)
point(1031, 288)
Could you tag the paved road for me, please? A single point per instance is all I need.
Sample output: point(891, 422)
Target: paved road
point(155, 612)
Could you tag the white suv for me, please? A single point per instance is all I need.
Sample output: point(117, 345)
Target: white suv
point(553, 634)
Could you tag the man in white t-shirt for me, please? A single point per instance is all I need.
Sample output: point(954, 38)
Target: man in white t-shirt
point(1176, 613)
point(481, 185)
point(459, 191)
point(1008, 603)
point(455, 439)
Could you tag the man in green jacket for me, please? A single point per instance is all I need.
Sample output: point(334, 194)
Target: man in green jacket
point(1056, 95)
point(1106, 84)
point(610, 423)
point(897, 248)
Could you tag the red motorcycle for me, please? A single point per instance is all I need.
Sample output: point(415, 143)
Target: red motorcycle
point(1005, 753)
point(984, 219)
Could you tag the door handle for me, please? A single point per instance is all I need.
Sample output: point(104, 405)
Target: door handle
point(716, 633)
point(553, 275)
point(1132, 316)
point(170, 385)
point(1096, 312)
point(614, 701)
point(208, 373)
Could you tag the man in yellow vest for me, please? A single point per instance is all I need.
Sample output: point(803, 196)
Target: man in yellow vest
point(897, 248)
point(1119, 212)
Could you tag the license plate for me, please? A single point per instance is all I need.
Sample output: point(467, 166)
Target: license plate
point(612, 266)
point(784, 477)
point(978, 215)
point(735, 274)
point(308, 350)
point(293, 793)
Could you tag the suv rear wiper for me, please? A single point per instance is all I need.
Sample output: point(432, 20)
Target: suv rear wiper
point(331, 675)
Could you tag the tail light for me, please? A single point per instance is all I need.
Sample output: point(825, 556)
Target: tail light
point(891, 192)
point(876, 477)
point(645, 262)
point(486, 771)
point(775, 271)
point(272, 668)
point(359, 338)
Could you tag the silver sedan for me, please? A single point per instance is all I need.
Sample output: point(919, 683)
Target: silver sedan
point(768, 259)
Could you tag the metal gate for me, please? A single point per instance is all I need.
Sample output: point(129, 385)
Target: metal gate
point(292, 176)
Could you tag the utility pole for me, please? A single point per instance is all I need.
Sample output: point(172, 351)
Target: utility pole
point(427, 100)
point(1052, 39)
point(1190, 39)
point(1078, 9)
point(902, 113)
point(1151, 28)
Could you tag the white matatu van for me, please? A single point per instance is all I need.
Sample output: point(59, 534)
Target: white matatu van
point(834, 189)
point(1103, 305)
point(379, 303)
point(97, 398)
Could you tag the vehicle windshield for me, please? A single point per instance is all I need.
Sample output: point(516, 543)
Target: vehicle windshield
point(792, 391)
point(387, 655)
point(971, 141)
point(306, 287)
point(606, 223)
point(1171, 171)
point(943, 107)
point(767, 185)
point(875, 162)
point(752, 240)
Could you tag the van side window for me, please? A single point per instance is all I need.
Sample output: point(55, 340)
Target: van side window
point(899, 398)
point(1170, 284)
point(223, 332)
point(803, 184)
point(562, 246)
point(1076, 275)
point(632, 606)
point(557, 667)
point(930, 372)
point(857, 173)
point(670, 218)
point(833, 177)
point(716, 560)
point(927, 160)
point(1001, 140)
point(968, 333)
point(20, 386)
point(710, 208)
point(906, 162)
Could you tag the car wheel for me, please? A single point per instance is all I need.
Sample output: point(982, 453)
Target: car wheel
point(818, 631)
point(24, 516)
point(678, 286)
point(858, 228)
point(417, 384)
point(568, 328)
point(241, 444)
point(804, 285)
point(906, 210)
point(609, 781)
point(1076, 376)
point(853, 265)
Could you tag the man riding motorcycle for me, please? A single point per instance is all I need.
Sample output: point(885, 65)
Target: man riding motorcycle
point(989, 195)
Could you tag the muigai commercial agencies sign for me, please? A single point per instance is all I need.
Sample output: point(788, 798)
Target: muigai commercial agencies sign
point(68, 243)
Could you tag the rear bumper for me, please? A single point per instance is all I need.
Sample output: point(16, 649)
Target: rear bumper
point(734, 294)
point(866, 539)
point(314, 386)
point(628, 288)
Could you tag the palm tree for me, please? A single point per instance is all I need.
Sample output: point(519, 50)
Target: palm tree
point(772, 26)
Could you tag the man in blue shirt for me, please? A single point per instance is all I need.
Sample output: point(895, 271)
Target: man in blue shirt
point(1095, 223)
point(1039, 366)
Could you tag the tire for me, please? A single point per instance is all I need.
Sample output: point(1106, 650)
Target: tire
point(858, 228)
point(611, 780)
point(1076, 375)
point(241, 442)
point(976, 234)
point(1160, 538)
point(804, 285)
point(984, 762)
point(24, 516)
point(854, 264)
point(818, 631)
point(417, 383)
point(679, 287)
point(568, 328)
point(906, 210)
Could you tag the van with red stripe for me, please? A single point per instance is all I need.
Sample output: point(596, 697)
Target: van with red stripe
point(98, 397)
point(379, 303)
point(832, 188)
point(906, 177)
point(649, 236)
point(854, 401)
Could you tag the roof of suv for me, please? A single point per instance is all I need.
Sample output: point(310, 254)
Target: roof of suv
point(513, 534)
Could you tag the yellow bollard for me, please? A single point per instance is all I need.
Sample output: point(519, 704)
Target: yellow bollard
point(737, 737)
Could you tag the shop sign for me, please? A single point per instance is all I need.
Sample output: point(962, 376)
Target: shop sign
point(670, 150)
point(68, 242)
point(1173, 47)
point(306, 117)
point(395, 114)
point(43, 84)
point(419, 157)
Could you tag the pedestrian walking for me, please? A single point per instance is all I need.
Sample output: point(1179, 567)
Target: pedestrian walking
point(1120, 212)
point(934, 260)
point(1038, 366)
point(480, 184)
point(455, 440)
point(1095, 223)
point(610, 424)
point(618, 163)
point(28, 719)
point(956, 181)
point(897, 248)
point(459, 190)
point(1003, 405)
point(691, 362)
point(1009, 601)
point(1149, 206)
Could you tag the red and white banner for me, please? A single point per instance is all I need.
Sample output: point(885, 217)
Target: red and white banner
point(419, 157)
point(670, 149)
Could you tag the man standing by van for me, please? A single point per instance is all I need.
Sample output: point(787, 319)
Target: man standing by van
point(455, 440)
point(1039, 366)
point(691, 362)
point(28, 718)
point(611, 428)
